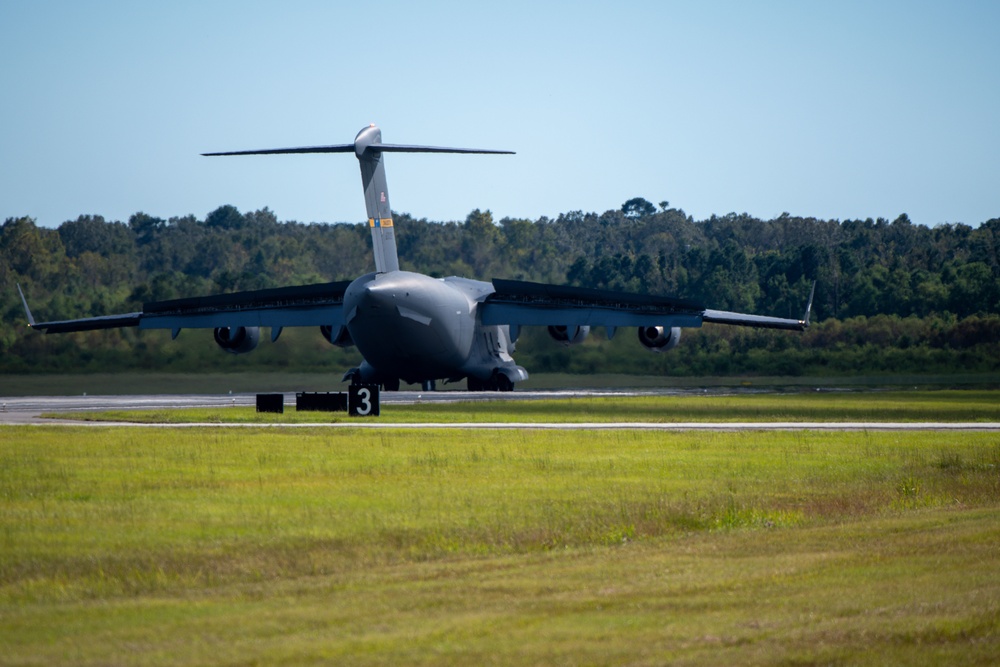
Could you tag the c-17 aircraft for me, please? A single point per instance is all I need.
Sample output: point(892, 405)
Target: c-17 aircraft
point(412, 327)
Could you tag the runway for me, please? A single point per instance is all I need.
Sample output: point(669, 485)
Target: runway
point(28, 410)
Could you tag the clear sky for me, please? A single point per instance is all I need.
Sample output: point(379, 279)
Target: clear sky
point(846, 109)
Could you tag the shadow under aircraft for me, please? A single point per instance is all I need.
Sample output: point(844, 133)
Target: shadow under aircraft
point(412, 327)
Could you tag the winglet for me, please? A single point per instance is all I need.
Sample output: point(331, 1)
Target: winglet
point(809, 305)
point(31, 320)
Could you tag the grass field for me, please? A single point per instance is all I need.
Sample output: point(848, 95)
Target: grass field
point(943, 405)
point(214, 546)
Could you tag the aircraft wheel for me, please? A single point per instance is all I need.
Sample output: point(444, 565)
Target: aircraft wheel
point(503, 383)
point(429, 385)
point(474, 384)
point(391, 385)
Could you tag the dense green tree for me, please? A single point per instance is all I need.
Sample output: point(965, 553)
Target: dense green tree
point(225, 217)
point(92, 234)
point(637, 207)
point(889, 296)
point(145, 227)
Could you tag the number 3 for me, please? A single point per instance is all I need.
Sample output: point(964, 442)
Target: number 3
point(365, 394)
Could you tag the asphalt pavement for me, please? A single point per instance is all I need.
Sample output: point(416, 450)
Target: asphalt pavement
point(28, 410)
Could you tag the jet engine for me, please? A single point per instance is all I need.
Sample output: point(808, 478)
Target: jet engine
point(237, 340)
point(569, 335)
point(659, 339)
point(339, 336)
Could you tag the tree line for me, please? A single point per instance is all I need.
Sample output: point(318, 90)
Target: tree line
point(890, 296)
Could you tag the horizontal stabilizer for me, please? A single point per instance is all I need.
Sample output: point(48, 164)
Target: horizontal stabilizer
point(350, 148)
point(402, 148)
point(338, 148)
point(368, 148)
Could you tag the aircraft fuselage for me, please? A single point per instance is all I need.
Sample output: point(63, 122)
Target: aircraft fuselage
point(416, 328)
point(412, 327)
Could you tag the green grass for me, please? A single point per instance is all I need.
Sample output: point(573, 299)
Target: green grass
point(945, 406)
point(310, 546)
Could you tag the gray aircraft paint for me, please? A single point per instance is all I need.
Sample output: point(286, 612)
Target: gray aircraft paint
point(411, 326)
point(377, 199)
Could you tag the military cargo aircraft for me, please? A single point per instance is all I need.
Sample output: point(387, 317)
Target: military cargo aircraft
point(413, 327)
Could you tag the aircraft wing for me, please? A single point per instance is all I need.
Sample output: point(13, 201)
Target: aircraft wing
point(520, 303)
point(303, 305)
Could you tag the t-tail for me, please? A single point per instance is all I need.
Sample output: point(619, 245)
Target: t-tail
point(368, 148)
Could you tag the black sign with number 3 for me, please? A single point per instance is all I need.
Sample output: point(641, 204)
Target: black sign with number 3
point(362, 400)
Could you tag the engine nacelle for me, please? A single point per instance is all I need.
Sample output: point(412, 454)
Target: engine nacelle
point(237, 340)
point(569, 335)
point(339, 336)
point(659, 339)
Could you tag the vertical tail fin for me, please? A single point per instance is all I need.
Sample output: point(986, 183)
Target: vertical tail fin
point(368, 147)
point(377, 199)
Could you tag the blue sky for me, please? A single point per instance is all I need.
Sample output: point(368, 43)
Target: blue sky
point(829, 109)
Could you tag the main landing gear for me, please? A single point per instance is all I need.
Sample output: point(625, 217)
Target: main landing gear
point(386, 385)
point(393, 385)
point(496, 382)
